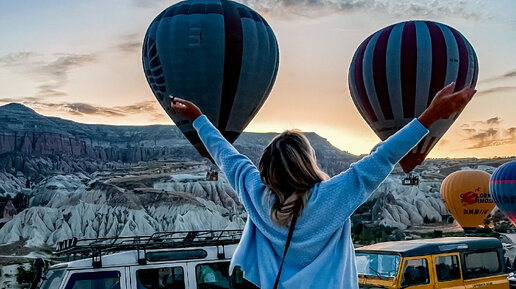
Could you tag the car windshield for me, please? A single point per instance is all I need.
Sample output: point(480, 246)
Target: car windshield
point(380, 265)
point(53, 279)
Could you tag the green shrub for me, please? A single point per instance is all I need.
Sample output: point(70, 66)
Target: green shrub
point(24, 276)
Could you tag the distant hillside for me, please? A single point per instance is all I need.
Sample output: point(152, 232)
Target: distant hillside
point(35, 145)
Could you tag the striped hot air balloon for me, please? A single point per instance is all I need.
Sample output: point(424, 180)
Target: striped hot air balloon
point(502, 187)
point(396, 72)
point(219, 54)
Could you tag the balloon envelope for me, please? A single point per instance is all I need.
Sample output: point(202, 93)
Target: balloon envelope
point(396, 72)
point(219, 54)
point(503, 189)
point(466, 197)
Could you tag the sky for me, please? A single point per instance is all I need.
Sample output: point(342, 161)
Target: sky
point(81, 60)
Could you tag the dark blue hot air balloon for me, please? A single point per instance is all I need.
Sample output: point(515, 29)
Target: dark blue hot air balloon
point(219, 54)
point(396, 72)
point(502, 188)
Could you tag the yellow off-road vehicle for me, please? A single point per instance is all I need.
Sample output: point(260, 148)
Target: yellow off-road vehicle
point(458, 263)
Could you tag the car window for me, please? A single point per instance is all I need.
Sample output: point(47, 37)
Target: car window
point(482, 264)
point(215, 276)
point(415, 272)
point(160, 278)
point(94, 280)
point(212, 275)
point(447, 268)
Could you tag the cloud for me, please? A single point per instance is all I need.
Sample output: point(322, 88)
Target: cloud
point(493, 137)
point(468, 9)
point(84, 108)
point(490, 122)
point(19, 99)
point(508, 75)
point(16, 59)
point(488, 133)
point(469, 130)
point(149, 3)
point(416, 8)
point(150, 108)
point(130, 43)
point(130, 46)
point(494, 90)
point(493, 121)
point(78, 108)
point(51, 72)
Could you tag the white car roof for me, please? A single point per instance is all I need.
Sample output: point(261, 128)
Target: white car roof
point(130, 258)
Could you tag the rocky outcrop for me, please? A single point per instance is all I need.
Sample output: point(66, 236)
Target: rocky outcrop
point(43, 225)
point(10, 184)
point(64, 206)
point(9, 211)
point(401, 206)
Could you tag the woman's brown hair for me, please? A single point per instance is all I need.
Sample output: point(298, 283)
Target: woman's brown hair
point(288, 167)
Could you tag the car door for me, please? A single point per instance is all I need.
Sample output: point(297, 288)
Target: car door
point(417, 273)
point(448, 272)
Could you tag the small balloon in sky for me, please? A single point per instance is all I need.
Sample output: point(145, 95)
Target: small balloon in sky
point(219, 54)
point(396, 72)
point(466, 196)
point(503, 189)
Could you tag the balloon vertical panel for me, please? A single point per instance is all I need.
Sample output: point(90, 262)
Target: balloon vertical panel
point(503, 189)
point(256, 77)
point(219, 54)
point(396, 72)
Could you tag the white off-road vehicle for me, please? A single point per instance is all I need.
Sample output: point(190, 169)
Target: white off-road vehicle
point(175, 260)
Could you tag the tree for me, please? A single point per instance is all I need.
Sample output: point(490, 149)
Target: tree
point(24, 276)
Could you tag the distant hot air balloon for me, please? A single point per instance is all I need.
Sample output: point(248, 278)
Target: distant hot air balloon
point(219, 54)
point(503, 189)
point(396, 72)
point(466, 197)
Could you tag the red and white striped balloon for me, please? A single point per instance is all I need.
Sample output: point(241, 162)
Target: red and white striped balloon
point(396, 72)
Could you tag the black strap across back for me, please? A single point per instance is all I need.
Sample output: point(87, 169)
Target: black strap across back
point(297, 208)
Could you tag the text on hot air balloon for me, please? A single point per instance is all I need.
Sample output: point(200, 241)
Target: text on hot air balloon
point(471, 198)
point(475, 212)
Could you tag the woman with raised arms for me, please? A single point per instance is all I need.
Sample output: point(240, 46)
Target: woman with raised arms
point(288, 183)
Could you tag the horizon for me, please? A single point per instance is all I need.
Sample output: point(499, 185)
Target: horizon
point(270, 132)
point(85, 66)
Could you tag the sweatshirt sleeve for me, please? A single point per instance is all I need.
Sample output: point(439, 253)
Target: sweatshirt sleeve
point(241, 173)
point(344, 193)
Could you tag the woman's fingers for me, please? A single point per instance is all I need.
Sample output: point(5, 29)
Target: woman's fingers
point(447, 89)
point(184, 107)
point(446, 103)
point(465, 94)
point(458, 100)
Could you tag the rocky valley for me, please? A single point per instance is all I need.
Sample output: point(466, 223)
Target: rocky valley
point(67, 179)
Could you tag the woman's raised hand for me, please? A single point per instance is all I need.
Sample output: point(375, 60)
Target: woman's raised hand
point(185, 108)
point(445, 103)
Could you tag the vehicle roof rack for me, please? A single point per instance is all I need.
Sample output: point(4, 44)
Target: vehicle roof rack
point(95, 247)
